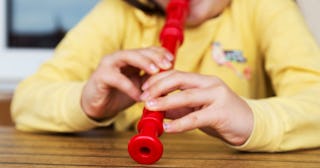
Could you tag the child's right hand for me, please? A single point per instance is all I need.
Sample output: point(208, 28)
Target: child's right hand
point(116, 83)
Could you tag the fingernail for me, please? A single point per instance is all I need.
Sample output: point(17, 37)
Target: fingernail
point(151, 103)
point(166, 64)
point(145, 86)
point(153, 68)
point(144, 96)
point(169, 56)
point(165, 126)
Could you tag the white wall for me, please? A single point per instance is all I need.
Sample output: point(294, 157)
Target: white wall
point(311, 12)
point(16, 64)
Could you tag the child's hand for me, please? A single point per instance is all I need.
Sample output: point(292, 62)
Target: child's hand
point(204, 102)
point(116, 82)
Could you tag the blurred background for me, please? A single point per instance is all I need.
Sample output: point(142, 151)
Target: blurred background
point(42, 23)
point(30, 29)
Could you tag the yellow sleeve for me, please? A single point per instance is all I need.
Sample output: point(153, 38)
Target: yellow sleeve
point(49, 100)
point(291, 119)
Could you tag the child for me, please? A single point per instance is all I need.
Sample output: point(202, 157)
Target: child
point(248, 73)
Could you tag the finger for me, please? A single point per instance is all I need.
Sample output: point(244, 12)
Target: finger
point(159, 56)
point(122, 83)
point(167, 53)
point(135, 59)
point(172, 82)
point(154, 78)
point(178, 113)
point(187, 98)
point(189, 122)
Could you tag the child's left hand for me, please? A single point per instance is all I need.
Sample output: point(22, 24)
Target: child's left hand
point(203, 102)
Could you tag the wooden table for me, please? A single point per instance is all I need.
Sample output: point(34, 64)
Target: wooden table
point(105, 148)
point(5, 118)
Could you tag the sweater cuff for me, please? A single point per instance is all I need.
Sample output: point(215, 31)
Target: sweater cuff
point(266, 133)
point(75, 117)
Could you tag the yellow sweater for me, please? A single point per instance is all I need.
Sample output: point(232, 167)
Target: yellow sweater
point(266, 50)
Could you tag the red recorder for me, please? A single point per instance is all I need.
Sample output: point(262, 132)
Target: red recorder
point(146, 148)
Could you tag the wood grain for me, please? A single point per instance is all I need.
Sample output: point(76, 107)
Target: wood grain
point(105, 148)
point(5, 118)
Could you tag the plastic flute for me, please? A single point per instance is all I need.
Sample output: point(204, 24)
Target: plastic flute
point(146, 148)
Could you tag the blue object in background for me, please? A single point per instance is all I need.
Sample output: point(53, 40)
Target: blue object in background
point(43, 23)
